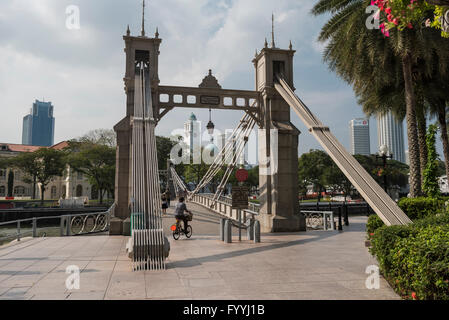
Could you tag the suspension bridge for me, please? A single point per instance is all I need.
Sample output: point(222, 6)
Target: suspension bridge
point(138, 212)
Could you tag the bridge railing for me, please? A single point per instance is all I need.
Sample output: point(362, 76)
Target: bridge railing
point(65, 225)
point(224, 207)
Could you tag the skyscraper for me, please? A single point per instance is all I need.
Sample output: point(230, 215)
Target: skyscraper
point(360, 142)
point(192, 131)
point(39, 125)
point(390, 132)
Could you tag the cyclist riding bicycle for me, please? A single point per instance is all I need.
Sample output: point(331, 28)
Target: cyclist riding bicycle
point(179, 213)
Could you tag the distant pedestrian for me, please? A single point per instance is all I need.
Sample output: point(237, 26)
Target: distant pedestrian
point(164, 204)
point(167, 196)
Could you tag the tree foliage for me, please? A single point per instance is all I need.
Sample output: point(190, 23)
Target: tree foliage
point(97, 162)
point(43, 165)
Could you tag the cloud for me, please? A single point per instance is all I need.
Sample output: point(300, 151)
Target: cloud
point(81, 71)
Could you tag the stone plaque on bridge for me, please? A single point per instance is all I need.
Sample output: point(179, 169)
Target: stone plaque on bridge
point(210, 100)
point(240, 197)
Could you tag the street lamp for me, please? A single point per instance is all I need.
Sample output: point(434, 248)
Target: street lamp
point(210, 126)
point(384, 154)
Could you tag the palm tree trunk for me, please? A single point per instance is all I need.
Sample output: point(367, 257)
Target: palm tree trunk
point(444, 136)
point(412, 131)
point(422, 127)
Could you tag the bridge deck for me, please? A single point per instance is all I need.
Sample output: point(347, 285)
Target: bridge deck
point(312, 265)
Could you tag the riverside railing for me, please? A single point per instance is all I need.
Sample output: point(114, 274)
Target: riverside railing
point(65, 225)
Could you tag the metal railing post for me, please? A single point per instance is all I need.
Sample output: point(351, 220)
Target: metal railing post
point(18, 230)
point(34, 228)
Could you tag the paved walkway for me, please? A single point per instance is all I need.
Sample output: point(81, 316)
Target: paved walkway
point(311, 265)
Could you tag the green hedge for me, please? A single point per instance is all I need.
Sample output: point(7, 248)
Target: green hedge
point(418, 208)
point(415, 258)
point(374, 223)
point(414, 208)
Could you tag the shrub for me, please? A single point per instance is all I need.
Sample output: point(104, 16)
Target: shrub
point(374, 223)
point(420, 264)
point(415, 258)
point(418, 208)
point(384, 241)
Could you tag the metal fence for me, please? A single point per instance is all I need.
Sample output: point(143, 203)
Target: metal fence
point(65, 225)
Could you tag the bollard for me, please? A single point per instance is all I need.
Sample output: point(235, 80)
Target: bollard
point(346, 214)
point(61, 226)
point(240, 224)
point(250, 230)
point(222, 229)
point(34, 227)
point(228, 232)
point(256, 231)
point(340, 225)
point(18, 230)
point(68, 225)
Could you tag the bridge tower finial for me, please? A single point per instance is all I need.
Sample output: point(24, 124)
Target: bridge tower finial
point(143, 18)
point(273, 45)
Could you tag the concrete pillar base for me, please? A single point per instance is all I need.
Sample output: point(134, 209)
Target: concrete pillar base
point(116, 227)
point(269, 223)
point(127, 227)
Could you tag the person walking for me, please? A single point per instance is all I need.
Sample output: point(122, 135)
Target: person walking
point(164, 204)
point(167, 196)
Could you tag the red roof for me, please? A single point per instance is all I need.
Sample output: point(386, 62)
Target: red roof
point(23, 148)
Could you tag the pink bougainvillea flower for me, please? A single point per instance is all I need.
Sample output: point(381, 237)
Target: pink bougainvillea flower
point(410, 26)
point(388, 10)
point(414, 296)
point(395, 21)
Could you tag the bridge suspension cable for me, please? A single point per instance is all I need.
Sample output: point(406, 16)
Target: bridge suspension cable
point(178, 182)
point(147, 238)
point(378, 199)
point(229, 155)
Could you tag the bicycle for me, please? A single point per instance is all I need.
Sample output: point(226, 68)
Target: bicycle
point(178, 230)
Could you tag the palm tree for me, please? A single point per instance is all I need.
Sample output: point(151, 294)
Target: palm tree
point(381, 70)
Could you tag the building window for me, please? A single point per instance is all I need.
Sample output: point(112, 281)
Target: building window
point(2, 191)
point(80, 176)
point(53, 192)
point(2, 174)
point(79, 191)
point(19, 191)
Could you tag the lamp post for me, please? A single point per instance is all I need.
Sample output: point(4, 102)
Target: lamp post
point(210, 126)
point(384, 154)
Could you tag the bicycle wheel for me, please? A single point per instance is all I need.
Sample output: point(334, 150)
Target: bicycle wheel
point(176, 234)
point(189, 232)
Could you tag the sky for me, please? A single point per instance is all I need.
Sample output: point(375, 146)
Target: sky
point(81, 70)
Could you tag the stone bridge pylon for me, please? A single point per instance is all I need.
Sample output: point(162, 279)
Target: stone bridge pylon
point(278, 174)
